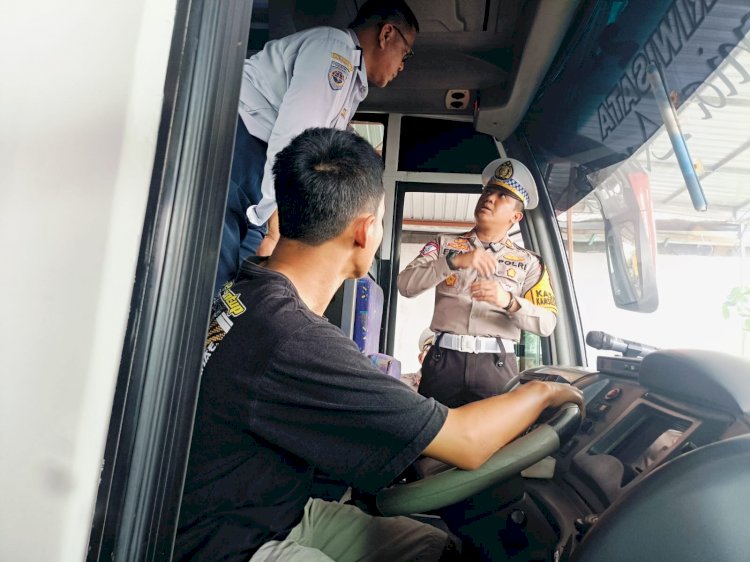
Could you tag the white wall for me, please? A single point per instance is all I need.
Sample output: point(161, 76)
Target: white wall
point(80, 100)
point(412, 317)
point(692, 290)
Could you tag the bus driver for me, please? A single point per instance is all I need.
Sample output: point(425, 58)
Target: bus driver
point(284, 392)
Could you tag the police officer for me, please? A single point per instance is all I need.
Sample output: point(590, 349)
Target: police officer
point(488, 289)
point(314, 78)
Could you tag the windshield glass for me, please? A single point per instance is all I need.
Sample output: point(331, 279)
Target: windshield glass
point(613, 178)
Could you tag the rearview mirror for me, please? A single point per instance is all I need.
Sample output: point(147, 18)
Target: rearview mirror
point(625, 200)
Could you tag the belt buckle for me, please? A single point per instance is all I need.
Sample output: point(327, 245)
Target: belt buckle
point(467, 344)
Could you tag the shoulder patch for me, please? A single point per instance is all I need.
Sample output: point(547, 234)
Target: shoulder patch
point(338, 71)
point(429, 248)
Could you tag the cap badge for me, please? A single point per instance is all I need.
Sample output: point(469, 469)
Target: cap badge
point(504, 171)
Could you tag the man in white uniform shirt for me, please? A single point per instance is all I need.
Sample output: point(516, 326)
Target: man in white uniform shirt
point(314, 78)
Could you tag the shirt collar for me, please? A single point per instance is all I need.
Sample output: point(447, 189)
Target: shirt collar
point(358, 59)
point(495, 246)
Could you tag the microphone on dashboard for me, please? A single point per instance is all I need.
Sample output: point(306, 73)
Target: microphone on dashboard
point(601, 340)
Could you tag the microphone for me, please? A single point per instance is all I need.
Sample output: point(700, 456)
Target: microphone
point(601, 340)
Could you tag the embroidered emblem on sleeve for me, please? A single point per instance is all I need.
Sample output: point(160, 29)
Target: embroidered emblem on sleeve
point(429, 249)
point(339, 71)
point(541, 294)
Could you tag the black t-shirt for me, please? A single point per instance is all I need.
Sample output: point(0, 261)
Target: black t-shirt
point(283, 393)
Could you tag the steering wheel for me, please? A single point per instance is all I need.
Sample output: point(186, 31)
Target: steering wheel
point(454, 485)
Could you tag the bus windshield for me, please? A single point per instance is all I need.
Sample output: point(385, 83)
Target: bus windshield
point(685, 281)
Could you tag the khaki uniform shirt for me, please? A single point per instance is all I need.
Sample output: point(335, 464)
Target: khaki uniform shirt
point(518, 270)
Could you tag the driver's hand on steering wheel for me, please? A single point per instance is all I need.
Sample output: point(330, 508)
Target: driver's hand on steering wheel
point(562, 393)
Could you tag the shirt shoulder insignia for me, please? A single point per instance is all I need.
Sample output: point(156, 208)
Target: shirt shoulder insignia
point(459, 244)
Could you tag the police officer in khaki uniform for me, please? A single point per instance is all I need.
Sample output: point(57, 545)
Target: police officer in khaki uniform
point(488, 289)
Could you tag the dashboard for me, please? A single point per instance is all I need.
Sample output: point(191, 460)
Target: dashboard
point(640, 414)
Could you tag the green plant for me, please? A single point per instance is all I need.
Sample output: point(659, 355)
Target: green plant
point(738, 301)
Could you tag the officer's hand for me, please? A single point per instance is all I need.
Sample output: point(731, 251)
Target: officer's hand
point(484, 262)
point(491, 292)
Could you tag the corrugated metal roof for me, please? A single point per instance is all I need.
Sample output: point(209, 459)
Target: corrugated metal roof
point(715, 121)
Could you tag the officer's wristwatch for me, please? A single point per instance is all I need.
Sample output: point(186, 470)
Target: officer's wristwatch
point(449, 260)
point(510, 303)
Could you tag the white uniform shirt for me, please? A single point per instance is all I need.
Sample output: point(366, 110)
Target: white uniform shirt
point(314, 78)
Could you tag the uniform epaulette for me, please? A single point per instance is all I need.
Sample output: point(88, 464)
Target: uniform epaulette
point(537, 256)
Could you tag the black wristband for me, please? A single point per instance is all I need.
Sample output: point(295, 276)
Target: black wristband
point(449, 260)
point(510, 304)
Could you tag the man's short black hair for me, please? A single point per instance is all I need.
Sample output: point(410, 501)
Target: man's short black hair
point(323, 179)
point(377, 11)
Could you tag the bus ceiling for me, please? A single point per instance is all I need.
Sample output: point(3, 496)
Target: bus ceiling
point(495, 52)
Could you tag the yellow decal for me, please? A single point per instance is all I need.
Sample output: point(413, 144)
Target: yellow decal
point(511, 273)
point(232, 301)
point(541, 294)
point(509, 244)
point(460, 244)
point(514, 257)
point(451, 280)
point(342, 60)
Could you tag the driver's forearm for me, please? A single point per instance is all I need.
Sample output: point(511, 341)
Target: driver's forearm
point(472, 433)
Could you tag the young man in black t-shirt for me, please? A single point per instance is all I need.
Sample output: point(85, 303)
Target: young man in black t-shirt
point(285, 393)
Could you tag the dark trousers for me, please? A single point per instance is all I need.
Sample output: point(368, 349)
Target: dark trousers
point(455, 378)
point(240, 238)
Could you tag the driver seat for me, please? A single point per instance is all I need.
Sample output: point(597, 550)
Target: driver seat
point(694, 508)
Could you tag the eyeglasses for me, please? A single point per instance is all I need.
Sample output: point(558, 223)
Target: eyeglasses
point(410, 53)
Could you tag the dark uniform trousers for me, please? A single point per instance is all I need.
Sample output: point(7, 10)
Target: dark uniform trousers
point(455, 378)
point(240, 238)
